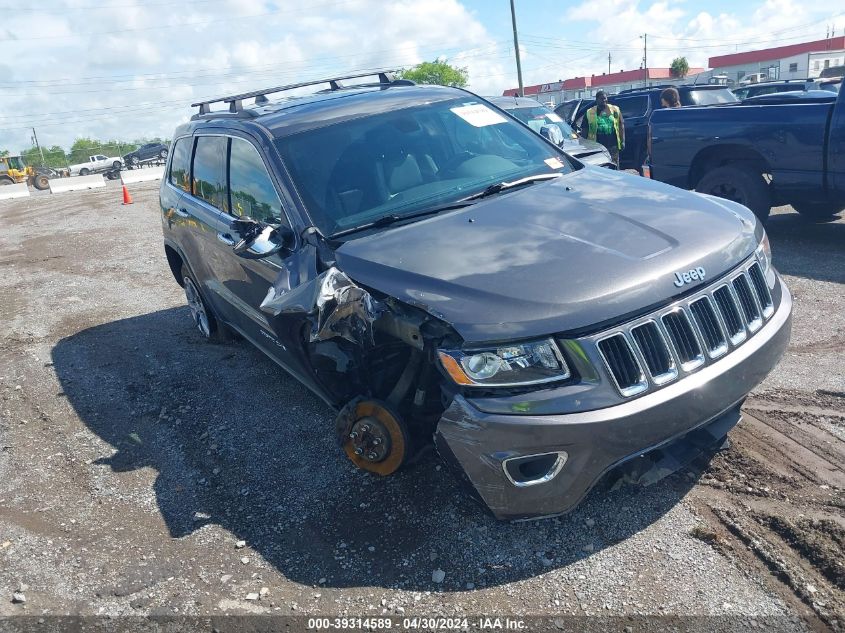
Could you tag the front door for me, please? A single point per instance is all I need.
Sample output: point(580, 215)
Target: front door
point(241, 283)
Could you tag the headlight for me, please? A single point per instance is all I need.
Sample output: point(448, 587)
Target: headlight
point(506, 365)
point(764, 256)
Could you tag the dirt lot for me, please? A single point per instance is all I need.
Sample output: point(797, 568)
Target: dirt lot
point(144, 472)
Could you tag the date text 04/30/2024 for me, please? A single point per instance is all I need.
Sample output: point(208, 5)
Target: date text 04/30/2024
point(417, 623)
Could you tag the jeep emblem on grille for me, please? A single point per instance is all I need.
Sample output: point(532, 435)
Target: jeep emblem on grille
point(696, 274)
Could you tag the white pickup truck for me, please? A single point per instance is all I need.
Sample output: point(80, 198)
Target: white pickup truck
point(98, 163)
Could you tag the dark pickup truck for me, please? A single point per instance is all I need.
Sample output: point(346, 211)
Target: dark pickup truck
point(783, 151)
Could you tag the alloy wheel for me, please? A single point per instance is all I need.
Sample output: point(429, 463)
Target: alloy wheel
point(198, 313)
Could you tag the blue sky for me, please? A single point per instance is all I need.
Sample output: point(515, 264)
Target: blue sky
point(129, 68)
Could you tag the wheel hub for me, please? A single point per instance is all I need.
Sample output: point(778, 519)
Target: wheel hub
point(370, 440)
point(373, 436)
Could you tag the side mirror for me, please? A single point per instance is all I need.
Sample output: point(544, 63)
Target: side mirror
point(553, 134)
point(259, 240)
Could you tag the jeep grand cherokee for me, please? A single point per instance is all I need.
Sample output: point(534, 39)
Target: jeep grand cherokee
point(437, 272)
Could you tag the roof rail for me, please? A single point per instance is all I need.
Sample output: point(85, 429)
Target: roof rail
point(385, 78)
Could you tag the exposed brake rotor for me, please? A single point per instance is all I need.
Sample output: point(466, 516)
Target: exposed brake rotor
point(373, 436)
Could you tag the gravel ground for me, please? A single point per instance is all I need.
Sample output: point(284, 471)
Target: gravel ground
point(145, 472)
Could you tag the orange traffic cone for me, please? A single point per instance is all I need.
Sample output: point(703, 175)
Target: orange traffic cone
point(127, 199)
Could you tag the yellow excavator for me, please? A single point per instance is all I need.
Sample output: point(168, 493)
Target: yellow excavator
point(14, 170)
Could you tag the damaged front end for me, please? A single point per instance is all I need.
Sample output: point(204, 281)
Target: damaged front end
point(374, 359)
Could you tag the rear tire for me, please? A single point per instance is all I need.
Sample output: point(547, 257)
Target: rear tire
point(84, 172)
point(117, 165)
point(818, 212)
point(162, 154)
point(204, 320)
point(6, 181)
point(739, 184)
point(41, 182)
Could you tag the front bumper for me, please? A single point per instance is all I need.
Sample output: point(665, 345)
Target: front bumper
point(596, 441)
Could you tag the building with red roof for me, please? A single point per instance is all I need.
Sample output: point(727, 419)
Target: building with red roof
point(793, 61)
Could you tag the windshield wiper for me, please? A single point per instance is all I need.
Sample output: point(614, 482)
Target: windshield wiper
point(391, 218)
point(502, 186)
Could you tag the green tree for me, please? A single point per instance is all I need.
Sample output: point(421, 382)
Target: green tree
point(438, 72)
point(679, 67)
point(4, 152)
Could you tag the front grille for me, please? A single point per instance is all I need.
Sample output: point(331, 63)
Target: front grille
point(708, 324)
point(660, 347)
point(622, 364)
point(746, 300)
point(683, 338)
point(655, 352)
point(730, 314)
point(761, 288)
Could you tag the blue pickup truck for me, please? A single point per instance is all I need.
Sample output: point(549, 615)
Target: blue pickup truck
point(783, 151)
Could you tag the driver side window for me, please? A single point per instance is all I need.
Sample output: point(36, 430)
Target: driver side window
point(252, 191)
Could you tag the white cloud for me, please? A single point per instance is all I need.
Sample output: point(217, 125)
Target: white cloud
point(93, 77)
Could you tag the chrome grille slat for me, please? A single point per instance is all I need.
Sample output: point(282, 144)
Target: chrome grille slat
point(761, 288)
point(622, 364)
point(705, 317)
point(747, 302)
point(683, 338)
point(654, 349)
point(730, 314)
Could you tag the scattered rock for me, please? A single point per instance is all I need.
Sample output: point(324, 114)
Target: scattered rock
point(240, 544)
point(371, 548)
point(438, 575)
point(225, 578)
point(18, 598)
point(264, 591)
point(252, 596)
point(245, 560)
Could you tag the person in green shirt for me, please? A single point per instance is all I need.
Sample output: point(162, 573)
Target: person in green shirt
point(606, 126)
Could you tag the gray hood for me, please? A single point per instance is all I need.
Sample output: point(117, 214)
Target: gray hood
point(556, 256)
point(586, 151)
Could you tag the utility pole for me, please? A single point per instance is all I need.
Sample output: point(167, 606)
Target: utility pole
point(644, 37)
point(608, 63)
point(516, 50)
point(40, 151)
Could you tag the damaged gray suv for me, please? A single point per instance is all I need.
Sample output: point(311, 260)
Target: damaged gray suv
point(438, 273)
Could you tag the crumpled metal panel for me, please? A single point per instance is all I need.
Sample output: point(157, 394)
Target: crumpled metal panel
point(335, 305)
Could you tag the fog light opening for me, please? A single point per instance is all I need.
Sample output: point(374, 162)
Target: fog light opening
point(530, 470)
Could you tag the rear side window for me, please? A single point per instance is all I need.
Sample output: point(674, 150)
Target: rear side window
point(209, 170)
point(252, 190)
point(632, 106)
point(180, 166)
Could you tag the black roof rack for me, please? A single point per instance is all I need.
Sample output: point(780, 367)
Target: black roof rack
point(385, 78)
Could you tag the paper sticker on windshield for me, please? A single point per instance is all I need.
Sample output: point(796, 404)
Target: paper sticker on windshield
point(553, 117)
point(479, 115)
point(554, 163)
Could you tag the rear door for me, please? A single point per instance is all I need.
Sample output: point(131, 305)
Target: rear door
point(635, 110)
point(199, 211)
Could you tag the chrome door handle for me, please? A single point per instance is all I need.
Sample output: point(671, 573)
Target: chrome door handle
point(227, 239)
point(182, 213)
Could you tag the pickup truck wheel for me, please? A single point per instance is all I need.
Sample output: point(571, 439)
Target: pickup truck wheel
point(817, 212)
point(84, 172)
point(162, 153)
point(202, 316)
point(739, 184)
point(117, 165)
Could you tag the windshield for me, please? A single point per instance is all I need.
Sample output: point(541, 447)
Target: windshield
point(538, 116)
point(15, 162)
point(356, 171)
point(711, 97)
